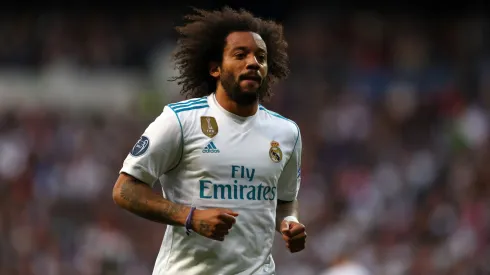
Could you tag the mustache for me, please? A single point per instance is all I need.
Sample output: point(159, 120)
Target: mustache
point(251, 76)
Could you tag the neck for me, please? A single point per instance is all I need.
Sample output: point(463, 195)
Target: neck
point(231, 106)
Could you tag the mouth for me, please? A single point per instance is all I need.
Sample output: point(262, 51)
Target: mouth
point(255, 78)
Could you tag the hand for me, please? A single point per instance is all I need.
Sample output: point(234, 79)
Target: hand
point(213, 223)
point(294, 234)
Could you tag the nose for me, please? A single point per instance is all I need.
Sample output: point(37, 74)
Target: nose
point(252, 63)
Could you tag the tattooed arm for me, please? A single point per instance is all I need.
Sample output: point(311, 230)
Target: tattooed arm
point(138, 198)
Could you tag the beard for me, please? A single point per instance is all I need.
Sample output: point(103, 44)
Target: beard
point(234, 91)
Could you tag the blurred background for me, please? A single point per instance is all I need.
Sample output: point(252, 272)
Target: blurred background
point(393, 107)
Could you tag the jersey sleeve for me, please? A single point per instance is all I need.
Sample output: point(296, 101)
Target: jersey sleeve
point(157, 151)
point(290, 179)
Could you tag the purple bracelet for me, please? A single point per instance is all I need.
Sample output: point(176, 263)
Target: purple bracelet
point(188, 221)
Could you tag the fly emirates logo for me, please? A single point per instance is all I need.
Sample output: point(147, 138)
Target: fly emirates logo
point(239, 188)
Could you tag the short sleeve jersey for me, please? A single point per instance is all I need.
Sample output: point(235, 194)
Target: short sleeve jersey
point(205, 156)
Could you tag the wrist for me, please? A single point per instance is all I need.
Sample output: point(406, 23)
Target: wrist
point(182, 217)
point(189, 221)
point(290, 219)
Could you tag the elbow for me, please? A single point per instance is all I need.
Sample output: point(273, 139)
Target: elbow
point(116, 195)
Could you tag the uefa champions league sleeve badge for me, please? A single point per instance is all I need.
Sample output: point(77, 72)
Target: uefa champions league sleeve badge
point(140, 147)
point(209, 126)
point(275, 153)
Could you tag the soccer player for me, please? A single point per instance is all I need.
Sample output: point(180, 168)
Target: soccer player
point(229, 168)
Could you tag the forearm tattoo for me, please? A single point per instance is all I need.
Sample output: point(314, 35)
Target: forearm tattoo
point(141, 201)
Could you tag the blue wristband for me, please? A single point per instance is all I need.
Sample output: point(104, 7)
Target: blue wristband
point(188, 221)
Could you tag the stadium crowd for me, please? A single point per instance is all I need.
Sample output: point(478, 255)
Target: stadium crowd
point(395, 124)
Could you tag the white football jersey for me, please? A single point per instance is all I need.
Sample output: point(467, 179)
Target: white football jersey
point(208, 157)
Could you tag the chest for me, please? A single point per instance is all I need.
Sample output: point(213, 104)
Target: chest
point(221, 151)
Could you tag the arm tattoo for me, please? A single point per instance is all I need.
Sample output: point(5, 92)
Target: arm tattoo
point(142, 201)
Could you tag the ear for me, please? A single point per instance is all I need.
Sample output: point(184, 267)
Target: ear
point(214, 69)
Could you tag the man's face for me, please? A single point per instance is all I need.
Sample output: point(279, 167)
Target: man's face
point(244, 67)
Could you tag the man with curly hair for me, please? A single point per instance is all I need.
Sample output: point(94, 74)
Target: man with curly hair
point(229, 168)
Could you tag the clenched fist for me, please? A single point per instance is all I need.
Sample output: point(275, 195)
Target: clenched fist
point(213, 223)
point(294, 234)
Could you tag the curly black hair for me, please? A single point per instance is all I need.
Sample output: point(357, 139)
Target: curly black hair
point(202, 40)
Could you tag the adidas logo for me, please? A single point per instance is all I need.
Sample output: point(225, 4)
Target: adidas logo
point(210, 148)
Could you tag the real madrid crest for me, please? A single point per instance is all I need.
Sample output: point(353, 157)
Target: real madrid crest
point(275, 152)
point(209, 126)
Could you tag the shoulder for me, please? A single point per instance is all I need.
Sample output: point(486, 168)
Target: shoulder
point(280, 122)
point(188, 111)
point(189, 106)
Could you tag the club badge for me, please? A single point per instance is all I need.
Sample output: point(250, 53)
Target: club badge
point(275, 152)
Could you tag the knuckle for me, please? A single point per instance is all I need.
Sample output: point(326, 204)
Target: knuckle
point(222, 224)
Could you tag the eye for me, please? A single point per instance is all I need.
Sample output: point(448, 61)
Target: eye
point(240, 55)
point(261, 58)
